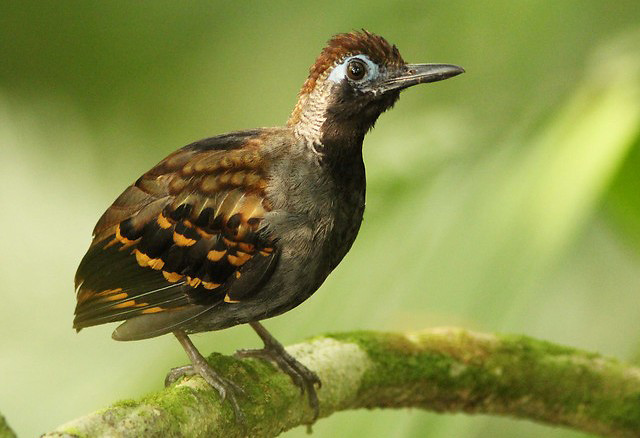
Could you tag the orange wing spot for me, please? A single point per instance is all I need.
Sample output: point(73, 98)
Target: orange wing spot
point(187, 170)
point(177, 185)
point(111, 243)
point(177, 160)
point(142, 258)
point(209, 184)
point(237, 178)
point(239, 259)
point(163, 222)
point(181, 240)
point(226, 162)
point(203, 233)
point(130, 303)
point(261, 185)
point(117, 297)
point(251, 179)
point(251, 159)
point(156, 264)
point(122, 239)
point(172, 276)
point(227, 299)
point(229, 243)
point(86, 295)
point(215, 256)
point(209, 285)
point(238, 274)
point(235, 261)
point(246, 247)
point(194, 281)
point(152, 310)
point(224, 178)
point(266, 251)
point(109, 292)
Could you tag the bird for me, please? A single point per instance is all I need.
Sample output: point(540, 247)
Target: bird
point(241, 227)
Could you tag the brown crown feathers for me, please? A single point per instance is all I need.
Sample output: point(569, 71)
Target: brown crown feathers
point(346, 44)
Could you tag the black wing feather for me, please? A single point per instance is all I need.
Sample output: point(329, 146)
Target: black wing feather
point(186, 234)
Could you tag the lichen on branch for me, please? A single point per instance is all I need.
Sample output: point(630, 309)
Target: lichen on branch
point(442, 370)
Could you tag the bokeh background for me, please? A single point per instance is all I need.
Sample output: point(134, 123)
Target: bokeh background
point(506, 199)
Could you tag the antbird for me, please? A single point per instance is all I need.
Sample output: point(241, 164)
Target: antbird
point(245, 226)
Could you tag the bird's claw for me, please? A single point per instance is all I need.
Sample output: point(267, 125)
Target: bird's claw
point(176, 373)
point(302, 377)
point(227, 389)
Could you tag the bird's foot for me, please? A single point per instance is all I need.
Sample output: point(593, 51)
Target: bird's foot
point(302, 377)
point(227, 389)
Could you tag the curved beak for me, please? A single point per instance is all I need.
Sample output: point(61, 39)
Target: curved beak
point(414, 74)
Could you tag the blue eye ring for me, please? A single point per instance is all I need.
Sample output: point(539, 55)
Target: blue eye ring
point(359, 63)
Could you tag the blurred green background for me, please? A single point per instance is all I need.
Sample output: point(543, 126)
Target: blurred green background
point(506, 199)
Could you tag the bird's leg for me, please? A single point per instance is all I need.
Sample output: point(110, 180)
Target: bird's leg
point(199, 366)
point(273, 350)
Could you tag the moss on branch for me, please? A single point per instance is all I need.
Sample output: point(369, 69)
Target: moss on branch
point(442, 370)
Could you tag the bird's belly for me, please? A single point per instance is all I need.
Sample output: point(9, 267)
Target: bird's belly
point(308, 254)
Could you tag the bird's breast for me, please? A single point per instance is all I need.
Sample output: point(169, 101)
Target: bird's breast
point(320, 215)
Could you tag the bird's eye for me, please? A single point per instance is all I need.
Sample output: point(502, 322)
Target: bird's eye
point(356, 69)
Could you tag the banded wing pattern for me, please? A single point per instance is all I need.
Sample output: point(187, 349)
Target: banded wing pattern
point(188, 232)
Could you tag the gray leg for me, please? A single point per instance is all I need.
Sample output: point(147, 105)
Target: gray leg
point(273, 350)
point(226, 388)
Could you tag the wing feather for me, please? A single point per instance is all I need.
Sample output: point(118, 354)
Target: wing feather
point(188, 233)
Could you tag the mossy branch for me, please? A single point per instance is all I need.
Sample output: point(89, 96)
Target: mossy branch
point(442, 370)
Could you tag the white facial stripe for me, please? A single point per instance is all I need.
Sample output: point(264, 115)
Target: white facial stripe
point(340, 71)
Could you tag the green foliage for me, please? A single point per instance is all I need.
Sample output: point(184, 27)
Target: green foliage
point(5, 430)
point(623, 201)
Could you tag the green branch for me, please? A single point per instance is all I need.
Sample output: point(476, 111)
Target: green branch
point(442, 370)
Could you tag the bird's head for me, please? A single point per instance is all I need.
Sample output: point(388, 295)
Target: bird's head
point(357, 76)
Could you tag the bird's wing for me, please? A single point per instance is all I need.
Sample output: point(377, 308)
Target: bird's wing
point(187, 234)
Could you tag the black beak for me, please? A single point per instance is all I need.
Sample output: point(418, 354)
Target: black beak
point(414, 74)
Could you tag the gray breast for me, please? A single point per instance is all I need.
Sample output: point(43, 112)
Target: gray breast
point(315, 219)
